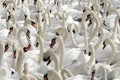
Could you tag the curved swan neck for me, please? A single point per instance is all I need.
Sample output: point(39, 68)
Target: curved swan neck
point(89, 63)
point(101, 39)
point(54, 57)
point(71, 35)
point(41, 49)
point(67, 73)
point(97, 27)
point(104, 72)
point(20, 61)
point(61, 50)
point(113, 52)
point(52, 74)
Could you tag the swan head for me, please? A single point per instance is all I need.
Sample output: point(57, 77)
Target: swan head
point(10, 30)
point(88, 17)
point(28, 33)
point(45, 77)
point(105, 43)
point(7, 45)
point(25, 49)
point(53, 41)
point(46, 57)
point(14, 48)
point(9, 17)
point(33, 24)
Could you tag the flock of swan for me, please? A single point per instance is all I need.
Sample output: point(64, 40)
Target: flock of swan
point(59, 40)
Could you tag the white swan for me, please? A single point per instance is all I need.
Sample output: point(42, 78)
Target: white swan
point(39, 41)
point(60, 49)
point(27, 32)
point(20, 61)
point(51, 56)
point(26, 75)
point(108, 57)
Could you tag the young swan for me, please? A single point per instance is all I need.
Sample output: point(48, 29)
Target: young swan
point(26, 75)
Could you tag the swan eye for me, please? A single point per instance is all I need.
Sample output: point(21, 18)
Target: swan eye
point(13, 8)
point(104, 23)
point(96, 61)
point(37, 44)
point(12, 72)
point(88, 17)
point(84, 10)
point(57, 34)
point(99, 34)
point(25, 16)
point(90, 22)
point(6, 47)
point(74, 31)
point(89, 53)
point(50, 11)
point(107, 13)
point(42, 19)
point(92, 8)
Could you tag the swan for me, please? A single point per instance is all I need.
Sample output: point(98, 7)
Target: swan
point(53, 74)
point(13, 29)
point(28, 37)
point(51, 56)
point(94, 19)
point(60, 49)
point(100, 71)
point(26, 75)
point(110, 56)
